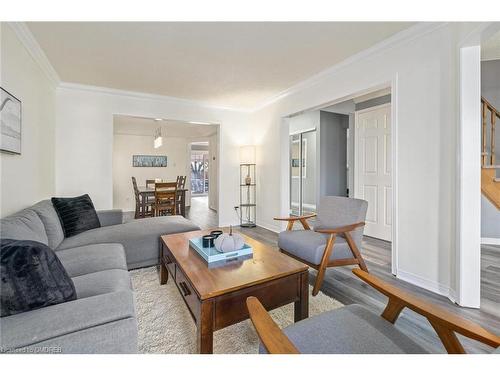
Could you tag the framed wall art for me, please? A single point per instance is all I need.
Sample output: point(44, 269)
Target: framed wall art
point(149, 161)
point(10, 121)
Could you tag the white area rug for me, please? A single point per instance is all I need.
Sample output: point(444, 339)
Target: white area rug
point(166, 326)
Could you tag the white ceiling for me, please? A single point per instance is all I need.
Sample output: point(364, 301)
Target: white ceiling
point(236, 65)
point(490, 49)
point(146, 126)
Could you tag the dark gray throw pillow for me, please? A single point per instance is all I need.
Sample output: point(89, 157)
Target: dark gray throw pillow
point(76, 214)
point(31, 277)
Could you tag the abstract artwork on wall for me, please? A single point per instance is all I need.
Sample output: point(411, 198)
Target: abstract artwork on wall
point(149, 161)
point(10, 120)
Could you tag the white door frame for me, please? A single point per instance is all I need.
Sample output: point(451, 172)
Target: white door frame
point(355, 144)
point(285, 152)
point(468, 260)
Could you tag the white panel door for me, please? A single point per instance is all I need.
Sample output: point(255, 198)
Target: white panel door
point(372, 165)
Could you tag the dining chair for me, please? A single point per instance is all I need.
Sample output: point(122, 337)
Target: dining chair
point(355, 329)
point(181, 184)
point(139, 212)
point(165, 198)
point(334, 240)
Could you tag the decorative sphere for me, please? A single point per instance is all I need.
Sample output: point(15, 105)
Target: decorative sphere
point(227, 242)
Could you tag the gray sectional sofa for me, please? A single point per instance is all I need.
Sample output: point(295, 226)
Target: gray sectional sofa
point(102, 318)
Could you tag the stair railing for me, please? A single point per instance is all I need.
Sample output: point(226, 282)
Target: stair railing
point(489, 114)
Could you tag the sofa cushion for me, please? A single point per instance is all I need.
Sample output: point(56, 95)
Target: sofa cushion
point(77, 214)
point(47, 213)
point(110, 217)
point(24, 225)
point(117, 337)
point(92, 258)
point(140, 238)
point(36, 326)
point(32, 277)
point(102, 282)
point(310, 245)
point(352, 329)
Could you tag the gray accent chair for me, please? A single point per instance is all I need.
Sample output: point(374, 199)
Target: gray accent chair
point(354, 329)
point(334, 240)
point(102, 319)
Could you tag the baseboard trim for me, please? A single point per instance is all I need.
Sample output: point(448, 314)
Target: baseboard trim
point(453, 296)
point(268, 227)
point(490, 241)
point(430, 285)
point(227, 224)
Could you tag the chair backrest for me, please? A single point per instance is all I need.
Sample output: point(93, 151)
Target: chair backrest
point(150, 183)
point(336, 212)
point(165, 192)
point(136, 189)
point(181, 182)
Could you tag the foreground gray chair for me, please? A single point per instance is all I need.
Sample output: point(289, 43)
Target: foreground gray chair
point(335, 239)
point(354, 329)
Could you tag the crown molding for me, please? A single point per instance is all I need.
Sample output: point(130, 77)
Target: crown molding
point(29, 42)
point(402, 37)
point(143, 95)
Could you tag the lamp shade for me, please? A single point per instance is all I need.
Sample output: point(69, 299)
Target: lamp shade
point(247, 155)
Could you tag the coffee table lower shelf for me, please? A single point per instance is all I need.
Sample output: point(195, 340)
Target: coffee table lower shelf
point(212, 314)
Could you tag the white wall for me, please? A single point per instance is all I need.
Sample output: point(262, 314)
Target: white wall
point(29, 177)
point(125, 146)
point(425, 70)
point(84, 140)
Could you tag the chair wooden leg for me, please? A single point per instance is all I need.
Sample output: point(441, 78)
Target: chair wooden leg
point(448, 338)
point(355, 251)
point(323, 264)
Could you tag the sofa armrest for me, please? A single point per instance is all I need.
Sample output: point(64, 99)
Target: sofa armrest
point(110, 217)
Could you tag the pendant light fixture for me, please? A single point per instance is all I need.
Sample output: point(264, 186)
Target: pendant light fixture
point(158, 139)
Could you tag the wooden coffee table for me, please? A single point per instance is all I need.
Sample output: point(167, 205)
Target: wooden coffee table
point(216, 297)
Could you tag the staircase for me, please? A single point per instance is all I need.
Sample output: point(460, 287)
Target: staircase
point(490, 168)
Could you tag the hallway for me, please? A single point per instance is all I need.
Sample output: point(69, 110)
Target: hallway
point(200, 214)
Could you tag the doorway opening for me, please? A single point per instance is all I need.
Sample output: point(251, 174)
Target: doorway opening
point(174, 147)
point(345, 149)
point(200, 183)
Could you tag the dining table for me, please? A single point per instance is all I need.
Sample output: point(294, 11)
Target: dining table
point(146, 192)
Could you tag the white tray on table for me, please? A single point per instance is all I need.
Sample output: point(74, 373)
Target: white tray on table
point(212, 256)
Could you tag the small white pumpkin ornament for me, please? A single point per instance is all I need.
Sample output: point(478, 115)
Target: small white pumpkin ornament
point(229, 242)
